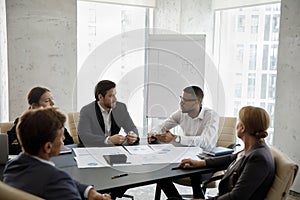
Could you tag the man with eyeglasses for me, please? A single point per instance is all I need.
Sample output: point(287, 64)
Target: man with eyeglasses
point(200, 128)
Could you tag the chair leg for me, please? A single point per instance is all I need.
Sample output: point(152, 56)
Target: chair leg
point(157, 192)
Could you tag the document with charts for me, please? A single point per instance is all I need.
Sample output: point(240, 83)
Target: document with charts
point(136, 155)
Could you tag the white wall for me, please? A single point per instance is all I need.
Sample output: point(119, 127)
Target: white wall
point(3, 64)
point(287, 109)
point(42, 42)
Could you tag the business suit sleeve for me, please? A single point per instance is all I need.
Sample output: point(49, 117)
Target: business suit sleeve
point(61, 186)
point(251, 178)
point(89, 130)
point(123, 119)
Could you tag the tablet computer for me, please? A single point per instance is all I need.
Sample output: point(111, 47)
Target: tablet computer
point(115, 159)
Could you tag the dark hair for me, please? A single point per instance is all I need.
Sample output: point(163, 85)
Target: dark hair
point(194, 90)
point(37, 127)
point(102, 87)
point(256, 121)
point(35, 94)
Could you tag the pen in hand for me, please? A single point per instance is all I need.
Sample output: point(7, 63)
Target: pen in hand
point(118, 176)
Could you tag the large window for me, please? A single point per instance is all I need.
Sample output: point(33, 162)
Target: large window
point(246, 46)
point(106, 33)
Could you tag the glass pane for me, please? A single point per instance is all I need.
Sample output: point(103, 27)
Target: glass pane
point(267, 28)
point(252, 57)
point(101, 28)
point(251, 85)
point(275, 27)
point(272, 86)
point(254, 24)
point(273, 57)
point(263, 91)
point(241, 23)
point(265, 57)
point(248, 81)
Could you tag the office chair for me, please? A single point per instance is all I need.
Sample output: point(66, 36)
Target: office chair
point(73, 119)
point(286, 171)
point(10, 193)
point(6, 126)
point(285, 174)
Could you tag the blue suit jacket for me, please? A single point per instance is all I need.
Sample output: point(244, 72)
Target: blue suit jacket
point(250, 178)
point(91, 125)
point(41, 179)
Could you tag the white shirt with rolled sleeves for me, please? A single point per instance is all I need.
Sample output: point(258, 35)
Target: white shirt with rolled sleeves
point(200, 131)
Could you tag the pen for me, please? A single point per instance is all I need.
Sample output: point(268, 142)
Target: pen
point(174, 168)
point(118, 176)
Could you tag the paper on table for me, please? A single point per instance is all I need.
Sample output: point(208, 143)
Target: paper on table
point(162, 148)
point(99, 151)
point(174, 155)
point(139, 149)
point(93, 157)
point(90, 161)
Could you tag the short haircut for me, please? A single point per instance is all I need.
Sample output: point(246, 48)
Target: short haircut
point(37, 127)
point(256, 121)
point(102, 87)
point(195, 91)
point(35, 94)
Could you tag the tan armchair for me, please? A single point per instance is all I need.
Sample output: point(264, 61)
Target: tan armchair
point(6, 126)
point(73, 119)
point(10, 193)
point(286, 171)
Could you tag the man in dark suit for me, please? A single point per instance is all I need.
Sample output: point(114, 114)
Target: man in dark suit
point(101, 120)
point(41, 134)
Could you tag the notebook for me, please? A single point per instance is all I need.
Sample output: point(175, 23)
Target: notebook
point(219, 151)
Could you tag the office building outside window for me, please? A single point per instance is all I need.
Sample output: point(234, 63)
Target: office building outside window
point(99, 23)
point(248, 49)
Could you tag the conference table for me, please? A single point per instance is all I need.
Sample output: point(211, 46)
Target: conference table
point(106, 179)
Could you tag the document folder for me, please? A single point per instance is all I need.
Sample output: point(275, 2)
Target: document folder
point(219, 151)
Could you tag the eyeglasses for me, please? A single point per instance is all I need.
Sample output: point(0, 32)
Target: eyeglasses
point(186, 100)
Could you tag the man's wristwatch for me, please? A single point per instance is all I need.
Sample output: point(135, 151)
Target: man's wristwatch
point(177, 139)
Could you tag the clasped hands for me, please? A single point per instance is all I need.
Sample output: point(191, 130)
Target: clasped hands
point(131, 138)
point(166, 136)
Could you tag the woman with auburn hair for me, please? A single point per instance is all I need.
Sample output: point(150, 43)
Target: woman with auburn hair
point(250, 172)
point(37, 97)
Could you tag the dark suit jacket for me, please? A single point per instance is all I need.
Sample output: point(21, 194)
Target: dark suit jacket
point(14, 146)
point(91, 128)
point(41, 179)
point(250, 178)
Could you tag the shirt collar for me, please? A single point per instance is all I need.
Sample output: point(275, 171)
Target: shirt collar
point(201, 114)
point(44, 161)
point(102, 109)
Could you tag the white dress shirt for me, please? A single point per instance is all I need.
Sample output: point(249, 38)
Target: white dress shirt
point(200, 131)
point(107, 122)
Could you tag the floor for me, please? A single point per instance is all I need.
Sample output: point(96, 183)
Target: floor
point(147, 193)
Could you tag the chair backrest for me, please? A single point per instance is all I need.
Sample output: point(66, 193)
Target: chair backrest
point(227, 135)
point(10, 193)
point(286, 171)
point(73, 119)
point(6, 126)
